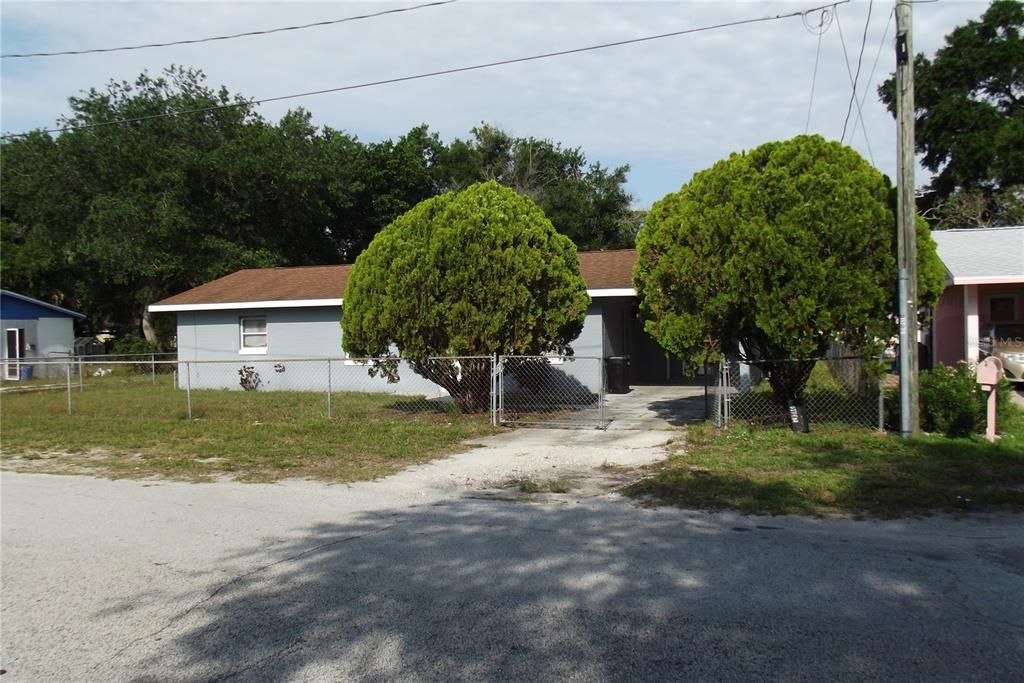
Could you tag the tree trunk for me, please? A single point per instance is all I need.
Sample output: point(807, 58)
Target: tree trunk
point(148, 333)
point(788, 379)
point(469, 383)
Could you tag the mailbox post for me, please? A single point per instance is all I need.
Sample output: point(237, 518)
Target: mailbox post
point(990, 371)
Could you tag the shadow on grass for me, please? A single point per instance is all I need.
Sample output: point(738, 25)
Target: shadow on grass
point(838, 470)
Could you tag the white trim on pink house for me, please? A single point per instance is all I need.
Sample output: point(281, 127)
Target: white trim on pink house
point(972, 325)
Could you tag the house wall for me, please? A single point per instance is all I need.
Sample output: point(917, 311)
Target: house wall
point(292, 334)
point(55, 337)
point(950, 331)
point(315, 333)
point(46, 339)
point(948, 326)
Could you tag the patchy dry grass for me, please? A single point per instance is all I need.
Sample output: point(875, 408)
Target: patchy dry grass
point(839, 470)
point(141, 430)
point(547, 486)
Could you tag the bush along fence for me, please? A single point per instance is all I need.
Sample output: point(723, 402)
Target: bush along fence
point(562, 390)
point(845, 389)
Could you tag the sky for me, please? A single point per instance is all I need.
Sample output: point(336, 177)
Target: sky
point(667, 107)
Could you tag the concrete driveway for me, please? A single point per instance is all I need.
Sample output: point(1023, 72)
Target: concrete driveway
point(430, 575)
point(660, 408)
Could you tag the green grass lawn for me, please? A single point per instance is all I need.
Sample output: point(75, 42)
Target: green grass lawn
point(838, 470)
point(136, 429)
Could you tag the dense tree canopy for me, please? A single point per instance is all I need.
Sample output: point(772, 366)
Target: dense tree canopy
point(969, 102)
point(586, 202)
point(109, 219)
point(479, 272)
point(772, 254)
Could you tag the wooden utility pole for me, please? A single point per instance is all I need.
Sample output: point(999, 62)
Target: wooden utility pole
point(906, 214)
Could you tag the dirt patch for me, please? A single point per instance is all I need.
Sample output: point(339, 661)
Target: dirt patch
point(562, 486)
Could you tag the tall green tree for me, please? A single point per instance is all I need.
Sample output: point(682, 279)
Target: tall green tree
point(110, 218)
point(107, 219)
point(969, 103)
point(479, 272)
point(771, 255)
point(585, 201)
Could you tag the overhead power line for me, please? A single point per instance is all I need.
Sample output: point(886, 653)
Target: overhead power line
point(433, 74)
point(856, 78)
point(231, 36)
point(871, 75)
point(849, 72)
point(823, 25)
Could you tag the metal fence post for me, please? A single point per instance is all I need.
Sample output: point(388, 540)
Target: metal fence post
point(501, 389)
point(881, 405)
point(152, 362)
point(329, 407)
point(68, 369)
point(723, 392)
point(81, 373)
point(494, 390)
point(188, 387)
point(600, 397)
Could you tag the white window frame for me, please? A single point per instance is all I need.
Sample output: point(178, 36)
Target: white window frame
point(253, 350)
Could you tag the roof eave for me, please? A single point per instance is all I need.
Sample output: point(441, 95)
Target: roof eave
point(239, 305)
point(988, 280)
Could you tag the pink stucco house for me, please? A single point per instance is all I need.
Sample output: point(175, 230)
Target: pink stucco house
point(984, 285)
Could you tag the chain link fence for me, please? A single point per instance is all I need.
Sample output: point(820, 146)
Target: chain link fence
point(539, 390)
point(551, 390)
point(842, 389)
point(267, 389)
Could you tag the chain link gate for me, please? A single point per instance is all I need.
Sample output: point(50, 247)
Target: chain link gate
point(549, 391)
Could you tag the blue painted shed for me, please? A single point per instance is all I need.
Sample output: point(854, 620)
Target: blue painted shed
point(33, 330)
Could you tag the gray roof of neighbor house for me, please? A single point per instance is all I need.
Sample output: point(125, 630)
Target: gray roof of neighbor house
point(607, 273)
point(978, 256)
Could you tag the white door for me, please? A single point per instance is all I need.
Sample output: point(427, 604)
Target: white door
point(15, 342)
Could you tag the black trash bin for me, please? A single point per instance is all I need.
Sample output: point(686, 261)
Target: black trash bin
point(618, 374)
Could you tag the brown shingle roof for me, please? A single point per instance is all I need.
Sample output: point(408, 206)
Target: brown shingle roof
point(600, 270)
point(608, 269)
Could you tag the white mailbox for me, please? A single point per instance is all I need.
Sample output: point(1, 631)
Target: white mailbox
point(990, 371)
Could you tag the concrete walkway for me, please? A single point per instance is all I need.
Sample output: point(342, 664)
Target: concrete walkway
point(657, 407)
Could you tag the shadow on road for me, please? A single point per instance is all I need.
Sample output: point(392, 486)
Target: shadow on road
point(474, 591)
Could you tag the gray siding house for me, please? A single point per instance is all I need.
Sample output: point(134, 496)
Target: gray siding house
point(275, 320)
point(33, 329)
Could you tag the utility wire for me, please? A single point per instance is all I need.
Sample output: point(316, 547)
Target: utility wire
point(871, 76)
point(849, 72)
point(823, 24)
point(856, 78)
point(232, 36)
point(432, 74)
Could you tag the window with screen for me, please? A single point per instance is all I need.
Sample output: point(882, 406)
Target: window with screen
point(253, 333)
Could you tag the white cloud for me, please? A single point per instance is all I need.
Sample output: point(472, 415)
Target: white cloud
point(682, 102)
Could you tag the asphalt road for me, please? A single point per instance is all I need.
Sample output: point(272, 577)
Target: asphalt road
point(136, 581)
